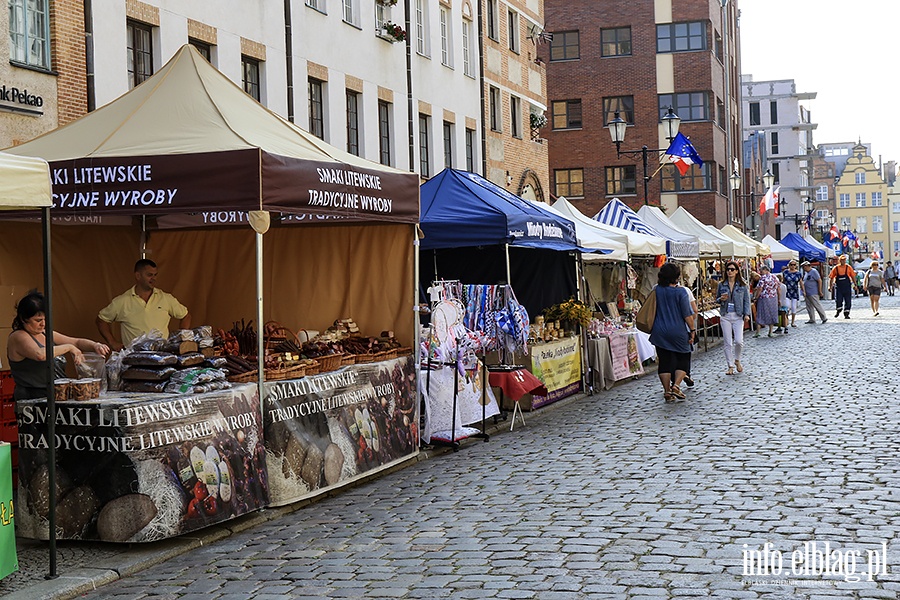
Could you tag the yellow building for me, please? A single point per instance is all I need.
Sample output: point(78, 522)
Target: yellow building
point(862, 203)
point(894, 202)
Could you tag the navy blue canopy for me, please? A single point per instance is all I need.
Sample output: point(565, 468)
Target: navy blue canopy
point(463, 209)
point(807, 251)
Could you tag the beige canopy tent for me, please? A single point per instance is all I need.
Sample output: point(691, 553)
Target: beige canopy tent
point(739, 236)
point(24, 182)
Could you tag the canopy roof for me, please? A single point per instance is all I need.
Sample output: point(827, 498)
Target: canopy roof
point(24, 182)
point(780, 251)
point(637, 243)
point(739, 236)
point(591, 236)
point(829, 252)
point(619, 214)
point(806, 250)
point(188, 139)
point(712, 241)
point(680, 244)
point(464, 209)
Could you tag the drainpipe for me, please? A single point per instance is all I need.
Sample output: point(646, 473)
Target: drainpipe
point(728, 99)
point(289, 59)
point(409, 89)
point(89, 54)
point(484, 172)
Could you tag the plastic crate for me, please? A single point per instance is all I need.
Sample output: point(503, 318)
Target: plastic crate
point(9, 432)
point(7, 385)
point(7, 410)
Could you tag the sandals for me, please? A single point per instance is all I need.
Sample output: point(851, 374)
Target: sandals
point(740, 367)
point(676, 391)
point(730, 371)
point(756, 335)
point(669, 398)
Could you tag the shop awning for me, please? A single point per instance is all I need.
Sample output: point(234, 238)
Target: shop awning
point(806, 250)
point(463, 209)
point(24, 182)
point(189, 140)
point(618, 214)
point(829, 252)
point(680, 244)
point(712, 241)
point(590, 235)
point(738, 235)
point(780, 252)
point(641, 244)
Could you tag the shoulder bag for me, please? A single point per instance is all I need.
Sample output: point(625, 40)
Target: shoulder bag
point(644, 319)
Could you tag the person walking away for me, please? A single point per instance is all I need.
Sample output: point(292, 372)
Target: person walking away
point(673, 332)
point(812, 292)
point(792, 278)
point(734, 308)
point(890, 276)
point(693, 300)
point(767, 300)
point(873, 282)
point(842, 277)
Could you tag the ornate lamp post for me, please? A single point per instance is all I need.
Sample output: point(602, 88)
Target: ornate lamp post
point(617, 128)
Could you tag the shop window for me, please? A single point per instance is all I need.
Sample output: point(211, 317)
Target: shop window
point(689, 106)
point(621, 180)
point(569, 182)
point(754, 113)
point(353, 122)
point(250, 76)
point(140, 53)
point(29, 33)
point(565, 45)
point(424, 145)
point(470, 150)
point(566, 114)
point(316, 108)
point(624, 105)
point(697, 178)
point(203, 48)
point(615, 42)
point(384, 132)
point(448, 144)
point(681, 37)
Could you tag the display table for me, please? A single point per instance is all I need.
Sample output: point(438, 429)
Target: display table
point(618, 356)
point(556, 364)
point(8, 561)
point(515, 383)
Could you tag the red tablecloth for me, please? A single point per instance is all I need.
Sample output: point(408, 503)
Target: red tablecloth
point(516, 384)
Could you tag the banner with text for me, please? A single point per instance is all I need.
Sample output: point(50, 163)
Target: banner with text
point(558, 365)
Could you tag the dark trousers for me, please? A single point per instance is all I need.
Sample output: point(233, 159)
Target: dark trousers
point(843, 295)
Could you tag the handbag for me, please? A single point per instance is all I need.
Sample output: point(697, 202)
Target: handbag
point(644, 319)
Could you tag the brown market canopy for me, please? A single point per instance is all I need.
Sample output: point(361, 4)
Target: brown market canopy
point(189, 140)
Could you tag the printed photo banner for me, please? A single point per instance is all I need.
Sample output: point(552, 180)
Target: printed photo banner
point(623, 347)
point(8, 561)
point(558, 365)
point(142, 468)
point(325, 430)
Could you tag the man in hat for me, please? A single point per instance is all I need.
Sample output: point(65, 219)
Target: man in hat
point(842, 277)
point(812, 291)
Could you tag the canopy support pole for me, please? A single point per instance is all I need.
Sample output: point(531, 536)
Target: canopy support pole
point(581, 288)
point(260, 342)
point(51, 396)
point(417, 338)
point(508, 276)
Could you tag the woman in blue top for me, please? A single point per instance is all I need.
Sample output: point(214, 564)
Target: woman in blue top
point(673, 332)
point(734, 311)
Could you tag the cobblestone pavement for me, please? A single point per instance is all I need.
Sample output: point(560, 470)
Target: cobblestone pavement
point(618, 495)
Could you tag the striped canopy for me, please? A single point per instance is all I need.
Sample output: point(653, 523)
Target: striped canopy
point(618, 214)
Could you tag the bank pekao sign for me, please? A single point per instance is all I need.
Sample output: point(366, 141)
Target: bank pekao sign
point(20, 100)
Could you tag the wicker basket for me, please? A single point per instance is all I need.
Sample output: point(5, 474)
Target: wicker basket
point(329, 362)
point(348, 359)
point(403, 351)
point(313, 369)
point(363, 359)
point(249, 376)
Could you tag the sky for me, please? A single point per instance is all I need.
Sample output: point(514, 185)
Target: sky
point(840, 50)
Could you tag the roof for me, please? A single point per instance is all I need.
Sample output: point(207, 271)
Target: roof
point(24, 182)
point(637, 243)
point(680, 243)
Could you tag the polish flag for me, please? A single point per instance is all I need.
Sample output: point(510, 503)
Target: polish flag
point(769, 201)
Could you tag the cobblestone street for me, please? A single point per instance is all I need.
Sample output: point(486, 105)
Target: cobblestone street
point(618, 495)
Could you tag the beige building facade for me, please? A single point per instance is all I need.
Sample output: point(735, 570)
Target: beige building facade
point(863, 203)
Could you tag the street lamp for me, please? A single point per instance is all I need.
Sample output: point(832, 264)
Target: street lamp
point(735, 180)
point(617, 128)
point(798, 218)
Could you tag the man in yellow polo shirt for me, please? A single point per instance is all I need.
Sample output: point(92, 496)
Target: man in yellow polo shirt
point(141, 309)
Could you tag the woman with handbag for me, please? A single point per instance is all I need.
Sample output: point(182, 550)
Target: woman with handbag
point(734, 310)
point(673, 332)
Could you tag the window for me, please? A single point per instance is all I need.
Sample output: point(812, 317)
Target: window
point(569, 182)
point(690, 106)
point(319, 5)
point(494, 108)
point(512, 22)
point(140, 53)
point(384, 132)
point(470, 150)
point(723, 181)
point(250, 76)
point(861, 223)
point(565, 45)
point(697, 178)
point(421, 29)
point(316, 109)
point(351, 12)
point(566, 114)
point(845, 223)
point(424, 139)
point(877, 224)
point(382, 15)
point(353, 122)
point(515, 116)
point(493, 16)
point(896, 226)
point(621, 180)
point(720, 113)
point(860, 177)
point(774, 142)
point(896, 206)
point(446, 43)
point(776, 171)
point(468, 66)
point(822, 193)
point(29, 33)
point(681, 37)
point(860, 200)
point(203, 48)
point(896, 247)
point(448, 144)
point(844, 201)
point(615, 42)
point(876, 199)
point(754, 113)
point(773, 112)
point(624, 105)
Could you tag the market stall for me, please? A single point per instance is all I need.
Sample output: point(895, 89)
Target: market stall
point(780, 255)
point(680, 244)
point(762, 250)
point(807, 251)
point(332, 236)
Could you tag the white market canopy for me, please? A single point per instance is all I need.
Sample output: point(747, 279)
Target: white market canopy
point(829, 252)
point(592, 237)
point(24, 182)
point(712, 241)
point(681, 243)
point(637, 243)
point(779, 250)
point(739, 236)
